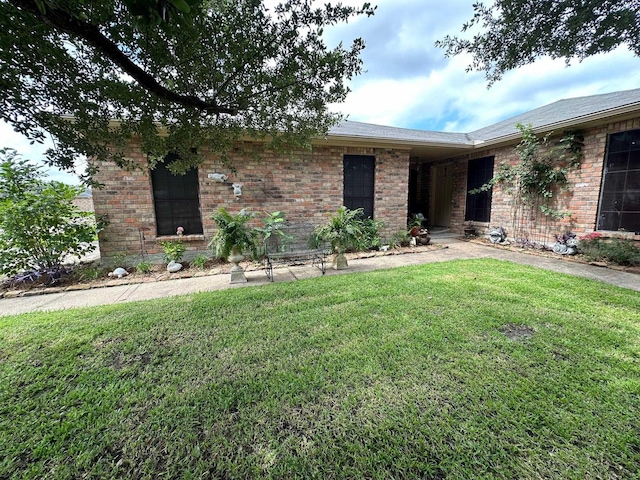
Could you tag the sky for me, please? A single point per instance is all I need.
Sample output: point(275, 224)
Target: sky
point(408, 82)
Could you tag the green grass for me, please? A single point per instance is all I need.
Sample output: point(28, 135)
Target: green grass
point(401, 373)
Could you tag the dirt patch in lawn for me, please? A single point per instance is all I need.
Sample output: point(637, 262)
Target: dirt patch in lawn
point(516, 333)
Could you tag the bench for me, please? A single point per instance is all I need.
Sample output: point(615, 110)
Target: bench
point(294, 246)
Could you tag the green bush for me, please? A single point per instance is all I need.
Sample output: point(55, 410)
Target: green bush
point(119, 259)
point(89, 272)
point(173, 251)
point(144, 267)
point(399, 239)
point(618, 251)
point(199, 261)
point(39, 225)
point(370, 234)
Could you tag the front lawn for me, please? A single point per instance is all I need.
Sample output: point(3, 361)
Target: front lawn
point(467, 369)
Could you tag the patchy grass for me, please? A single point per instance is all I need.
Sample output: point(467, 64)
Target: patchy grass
point(462, 369)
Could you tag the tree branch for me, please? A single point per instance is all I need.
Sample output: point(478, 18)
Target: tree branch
point(68, 23)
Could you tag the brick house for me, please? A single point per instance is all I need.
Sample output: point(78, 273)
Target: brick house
point(392, 173)
point(84, 201)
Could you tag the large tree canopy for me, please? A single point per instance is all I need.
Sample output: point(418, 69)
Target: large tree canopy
point(180, 74)
point(516, 32)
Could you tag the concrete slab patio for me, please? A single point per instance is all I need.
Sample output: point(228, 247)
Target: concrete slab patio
point(455, 250)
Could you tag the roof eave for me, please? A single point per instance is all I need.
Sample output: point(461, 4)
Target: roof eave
point(609, 115)
point(337, 139)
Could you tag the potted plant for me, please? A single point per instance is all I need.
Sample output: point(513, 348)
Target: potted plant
point(273, 230)
point(342, 231)
point(469, 229)
point(233, 238)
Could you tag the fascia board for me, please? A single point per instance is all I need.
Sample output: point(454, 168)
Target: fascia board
point(388, 142)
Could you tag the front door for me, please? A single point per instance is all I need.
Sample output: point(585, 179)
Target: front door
point(442, 191)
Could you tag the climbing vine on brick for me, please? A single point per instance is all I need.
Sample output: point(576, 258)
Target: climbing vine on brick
point(541, 172)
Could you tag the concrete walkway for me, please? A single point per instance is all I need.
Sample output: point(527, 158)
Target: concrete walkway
point(455, 250)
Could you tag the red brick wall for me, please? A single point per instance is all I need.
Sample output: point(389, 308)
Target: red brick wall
point(306, 186)
point(581, 199)
point(84, 204)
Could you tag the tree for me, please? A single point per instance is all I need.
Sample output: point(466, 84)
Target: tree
point(180, 74)
point(39, 225)
point(517, 32)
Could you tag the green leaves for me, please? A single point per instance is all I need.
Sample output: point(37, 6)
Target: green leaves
point(183, 75)
point(173, 251)
point(516, 32)
point(541, 172)
point(233, 231)
point(39, 225)
point(344, 230)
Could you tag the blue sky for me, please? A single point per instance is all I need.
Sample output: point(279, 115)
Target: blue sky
point(409, 83)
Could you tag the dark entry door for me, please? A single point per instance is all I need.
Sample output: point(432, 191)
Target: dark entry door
point(442, 191)
point(359, 175)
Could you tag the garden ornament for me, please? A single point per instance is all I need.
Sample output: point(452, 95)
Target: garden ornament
point(174, 267)
point(119, 273)
point(217, 177)
point(497, 235)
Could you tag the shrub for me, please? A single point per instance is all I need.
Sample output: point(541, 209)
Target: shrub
point(619, 251)
point(173, 251)
point(90, 272)
point(39, 225)
point(119, 259)
point(370, 234)
point(199, 261)
point(144, 267)
point(399, 239)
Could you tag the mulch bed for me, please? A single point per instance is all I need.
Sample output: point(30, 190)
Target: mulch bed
point(549, 254)
point(159, 274)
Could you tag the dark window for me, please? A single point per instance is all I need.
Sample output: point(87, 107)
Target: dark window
point(359, 173)
point(479, 172)
point(620, 197)
point(176, 200)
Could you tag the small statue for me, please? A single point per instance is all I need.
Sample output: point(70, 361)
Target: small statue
point(174, 267)
point(218, 177)
point(119, 273)
point(497, 235)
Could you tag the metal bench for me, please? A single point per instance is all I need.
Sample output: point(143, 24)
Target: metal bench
point(294, 246)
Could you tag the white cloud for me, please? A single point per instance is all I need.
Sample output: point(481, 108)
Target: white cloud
point(409, 82)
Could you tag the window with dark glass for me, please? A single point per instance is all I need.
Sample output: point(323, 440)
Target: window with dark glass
point(478, 207)
point(620, 197)
point(359, 174)
point(176, 200)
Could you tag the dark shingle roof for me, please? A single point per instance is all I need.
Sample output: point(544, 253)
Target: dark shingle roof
point(572, 111)
point(348, 128)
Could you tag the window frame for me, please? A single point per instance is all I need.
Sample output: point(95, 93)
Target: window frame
point(177, 205)
point(610, 194)
point(473, 200)
point(365, 186)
